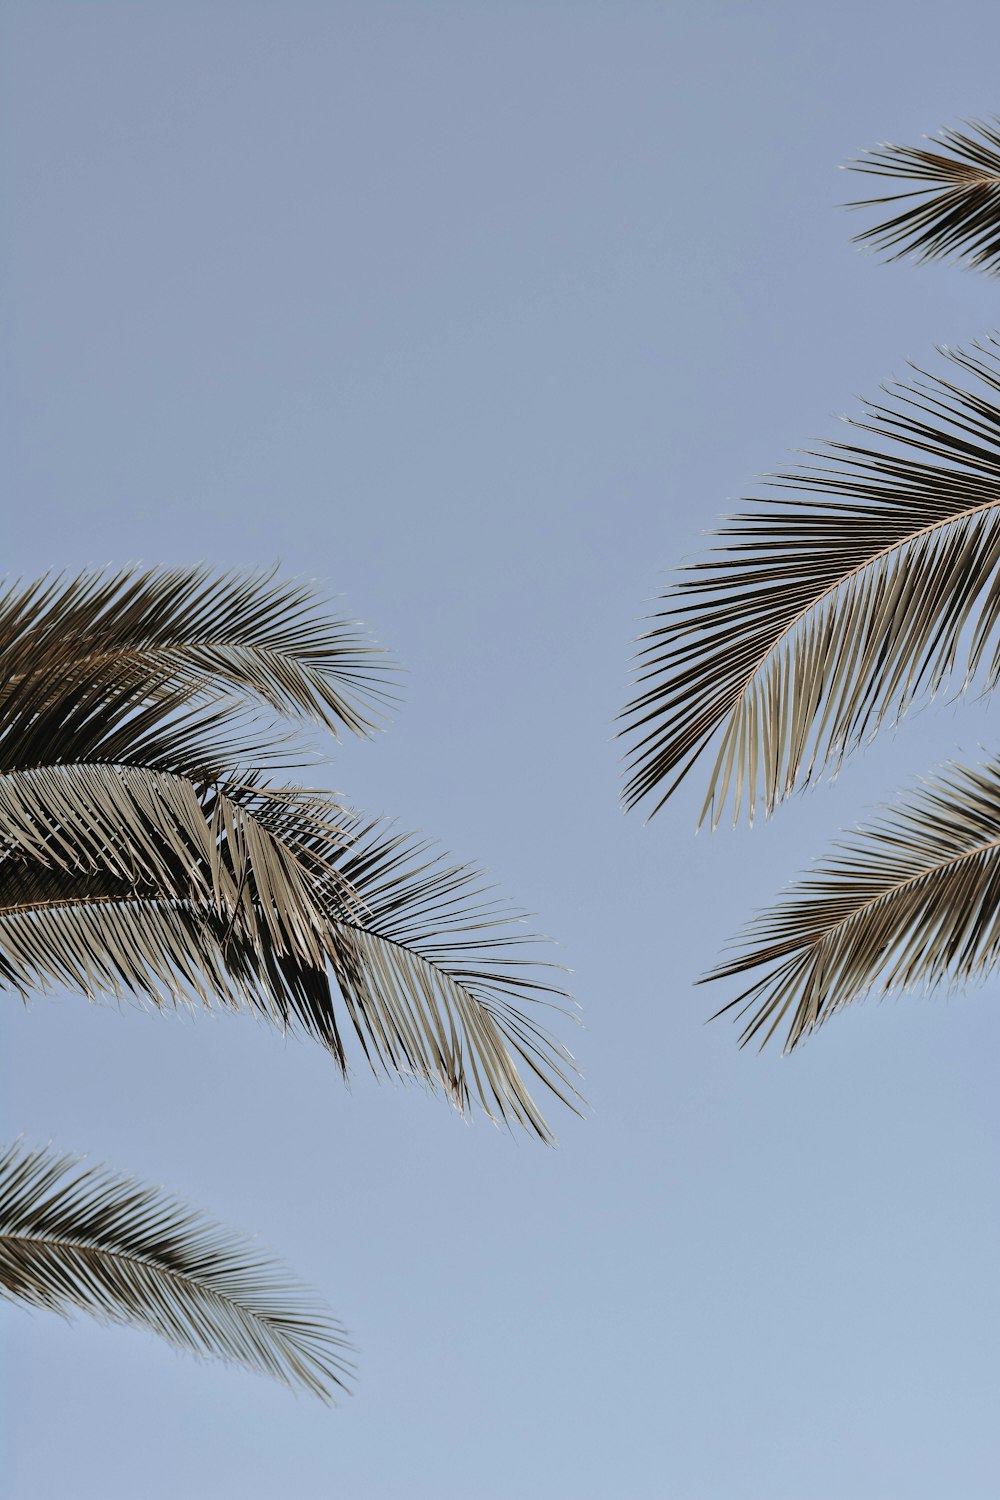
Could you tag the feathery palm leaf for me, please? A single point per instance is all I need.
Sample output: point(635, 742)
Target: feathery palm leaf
point(74, 1237)
point(437, 984)
point(99, 935)
point(818, 618)
point(253, 852)
point(166, 638)
point(430, 975)
point(912, 901)
point(137, 859)
point(956, 214)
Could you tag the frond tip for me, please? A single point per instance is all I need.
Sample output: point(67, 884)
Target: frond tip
point(953, 212)
point(820, 617)
point(75, 1237)
point(442, 985)
point(910, 902)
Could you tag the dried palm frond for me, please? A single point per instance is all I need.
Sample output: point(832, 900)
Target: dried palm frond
point(79, 1238)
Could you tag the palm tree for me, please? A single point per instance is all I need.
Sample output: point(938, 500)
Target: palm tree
point(822, 615)
point(146, 852)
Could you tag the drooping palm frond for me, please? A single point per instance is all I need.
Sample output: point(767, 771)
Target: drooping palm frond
point(818, 618)
point(253, 853)
point(911, 901)
point(442, 983)
point(81, 1238)
point(105, 938)
point(132, 864)
point(957, 213)
point(438, 983)
point(137, 859)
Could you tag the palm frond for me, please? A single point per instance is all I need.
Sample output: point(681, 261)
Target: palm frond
point(179, 636)
point(251, 851)
point(956, 215)
point(432, 975)
point(80, 1238)
point(136, 859)
point(437, 984)
point(108, 939)
point(910, 902)
point(818, 618)
point(104, 719)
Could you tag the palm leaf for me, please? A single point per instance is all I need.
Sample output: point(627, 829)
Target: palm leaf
point(437, 984)
point(956, 215)
point(183, 636)
point(818, 618)
point(254, 854)
point(433, 977)
point(138, 859)
point(910, 902)
point(107, 939)
point(74, 1237)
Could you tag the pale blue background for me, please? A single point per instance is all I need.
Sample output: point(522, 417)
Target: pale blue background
point(481, 312)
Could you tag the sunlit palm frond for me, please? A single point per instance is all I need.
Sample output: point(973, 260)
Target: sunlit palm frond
point(253, 853)
point(138, 858)
point(432, 975)
point(911, 901)
point(442, 983)
point(186, 636)
point(818, 618)
point(957, 213)
point(80, 1238)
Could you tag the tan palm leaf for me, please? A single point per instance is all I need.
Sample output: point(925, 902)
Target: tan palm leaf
point(79, 1238)
point(140, 857)
point(911, 901)
point(818, 618)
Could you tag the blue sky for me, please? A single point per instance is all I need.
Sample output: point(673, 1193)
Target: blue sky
point(481, 313)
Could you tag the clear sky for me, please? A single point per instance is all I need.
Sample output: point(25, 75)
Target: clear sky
point(481, 312)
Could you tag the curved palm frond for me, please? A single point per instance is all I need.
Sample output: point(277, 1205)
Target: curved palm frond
point(911, 901)
point(817, 619)
point(165, 638)
point(957, 213)
point(106, 938)
point(430, 973)
point(80, 1238)
point(252, 852)
point(134, 863)
point(434, 979)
